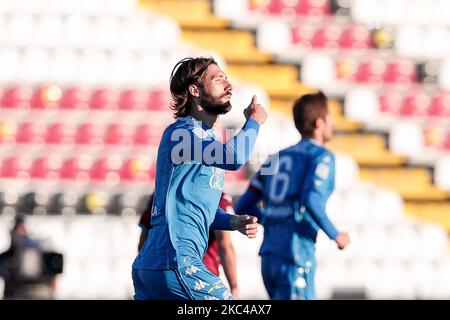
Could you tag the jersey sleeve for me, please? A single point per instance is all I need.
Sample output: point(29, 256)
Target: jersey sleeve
point(197, 145)
point(320, 178)
point(247, 203)
point(221, 220)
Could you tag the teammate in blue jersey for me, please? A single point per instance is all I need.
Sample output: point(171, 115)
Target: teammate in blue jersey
point(294, 200)
point(189, 180)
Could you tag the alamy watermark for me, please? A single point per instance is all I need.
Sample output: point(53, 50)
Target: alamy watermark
point(200, 146)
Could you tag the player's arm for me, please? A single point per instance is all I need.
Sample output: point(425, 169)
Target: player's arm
point(247, 203)
point(145, 223)
point(228, 259)
point(245, 224)
point(198, 146)
point(142, 238)
point(320, 176)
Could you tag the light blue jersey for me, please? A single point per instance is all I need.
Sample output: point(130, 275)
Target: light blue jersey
point(189, 182)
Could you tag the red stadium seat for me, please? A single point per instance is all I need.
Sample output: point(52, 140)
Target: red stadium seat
point(46, 167)
point(159, 100)
point(401, 71)
point(293, 7)
point(31, 132)
point(119, 134)
point(302, 35)
point(77, 168)
point(46, 97)
point(107, 169)
point(133, 100)
point(148, 134)
point(415, 105)
point(60, 133)
point(16, 167)
point(446, 142)
point(440, 105)
point(104, 99)
point(356, 37)
point(391, 103)
point(90, 133)
point(17, 97)
point(327, 37)
point(75, 98)
point(313, 7)
point(138, 169)
point(371, 71)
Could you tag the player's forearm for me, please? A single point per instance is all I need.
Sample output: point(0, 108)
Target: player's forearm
point(247, 204)
point(228, 260)
point(236, 152)
point(222, 220)
point(316, 206)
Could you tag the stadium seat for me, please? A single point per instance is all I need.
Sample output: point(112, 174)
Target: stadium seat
point(318, 71)
point(138, 169)
point(17, 96)
point(104, 99)
point(415, 105)
point(148, 134)
point(134, 99)
point(371, 71)
point(119, 134)
point(60, 133)
point(356, 37)
point(46, 97)
point(31, 133)
point(76, 168)
point(107, 169)
point(46, 168)
point(357, 97)
point(400, 71)
point(440, 105)
point(16, 167)
point(391, 102)
point(159, 100)
point(273, 36)
point(90, 133)
point(407, 138)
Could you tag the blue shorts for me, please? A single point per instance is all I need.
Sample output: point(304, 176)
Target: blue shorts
point(190, 282)
point(287, 281)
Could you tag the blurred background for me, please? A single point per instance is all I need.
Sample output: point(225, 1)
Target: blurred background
point(84, 100)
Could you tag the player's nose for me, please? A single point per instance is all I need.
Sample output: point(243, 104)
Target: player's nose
point(228, 86)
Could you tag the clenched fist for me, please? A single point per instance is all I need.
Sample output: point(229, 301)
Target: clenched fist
point(342, 240)
point(245, 224)
point(255, 111)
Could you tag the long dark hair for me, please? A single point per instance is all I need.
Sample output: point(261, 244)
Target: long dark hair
point(186, 72)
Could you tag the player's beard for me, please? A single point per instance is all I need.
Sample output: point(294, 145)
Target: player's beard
point(212, 105)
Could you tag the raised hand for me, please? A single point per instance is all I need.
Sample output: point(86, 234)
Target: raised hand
point(255, 111)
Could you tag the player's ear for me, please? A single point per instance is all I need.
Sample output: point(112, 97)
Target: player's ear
point(319, 123)
point(193, 90)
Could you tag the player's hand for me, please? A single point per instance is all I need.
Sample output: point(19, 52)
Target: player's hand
point(255, 111)
point(245, 224)
point(342, 240)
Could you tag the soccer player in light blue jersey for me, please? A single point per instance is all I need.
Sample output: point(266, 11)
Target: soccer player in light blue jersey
point(189, 180)
point(294, 198)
